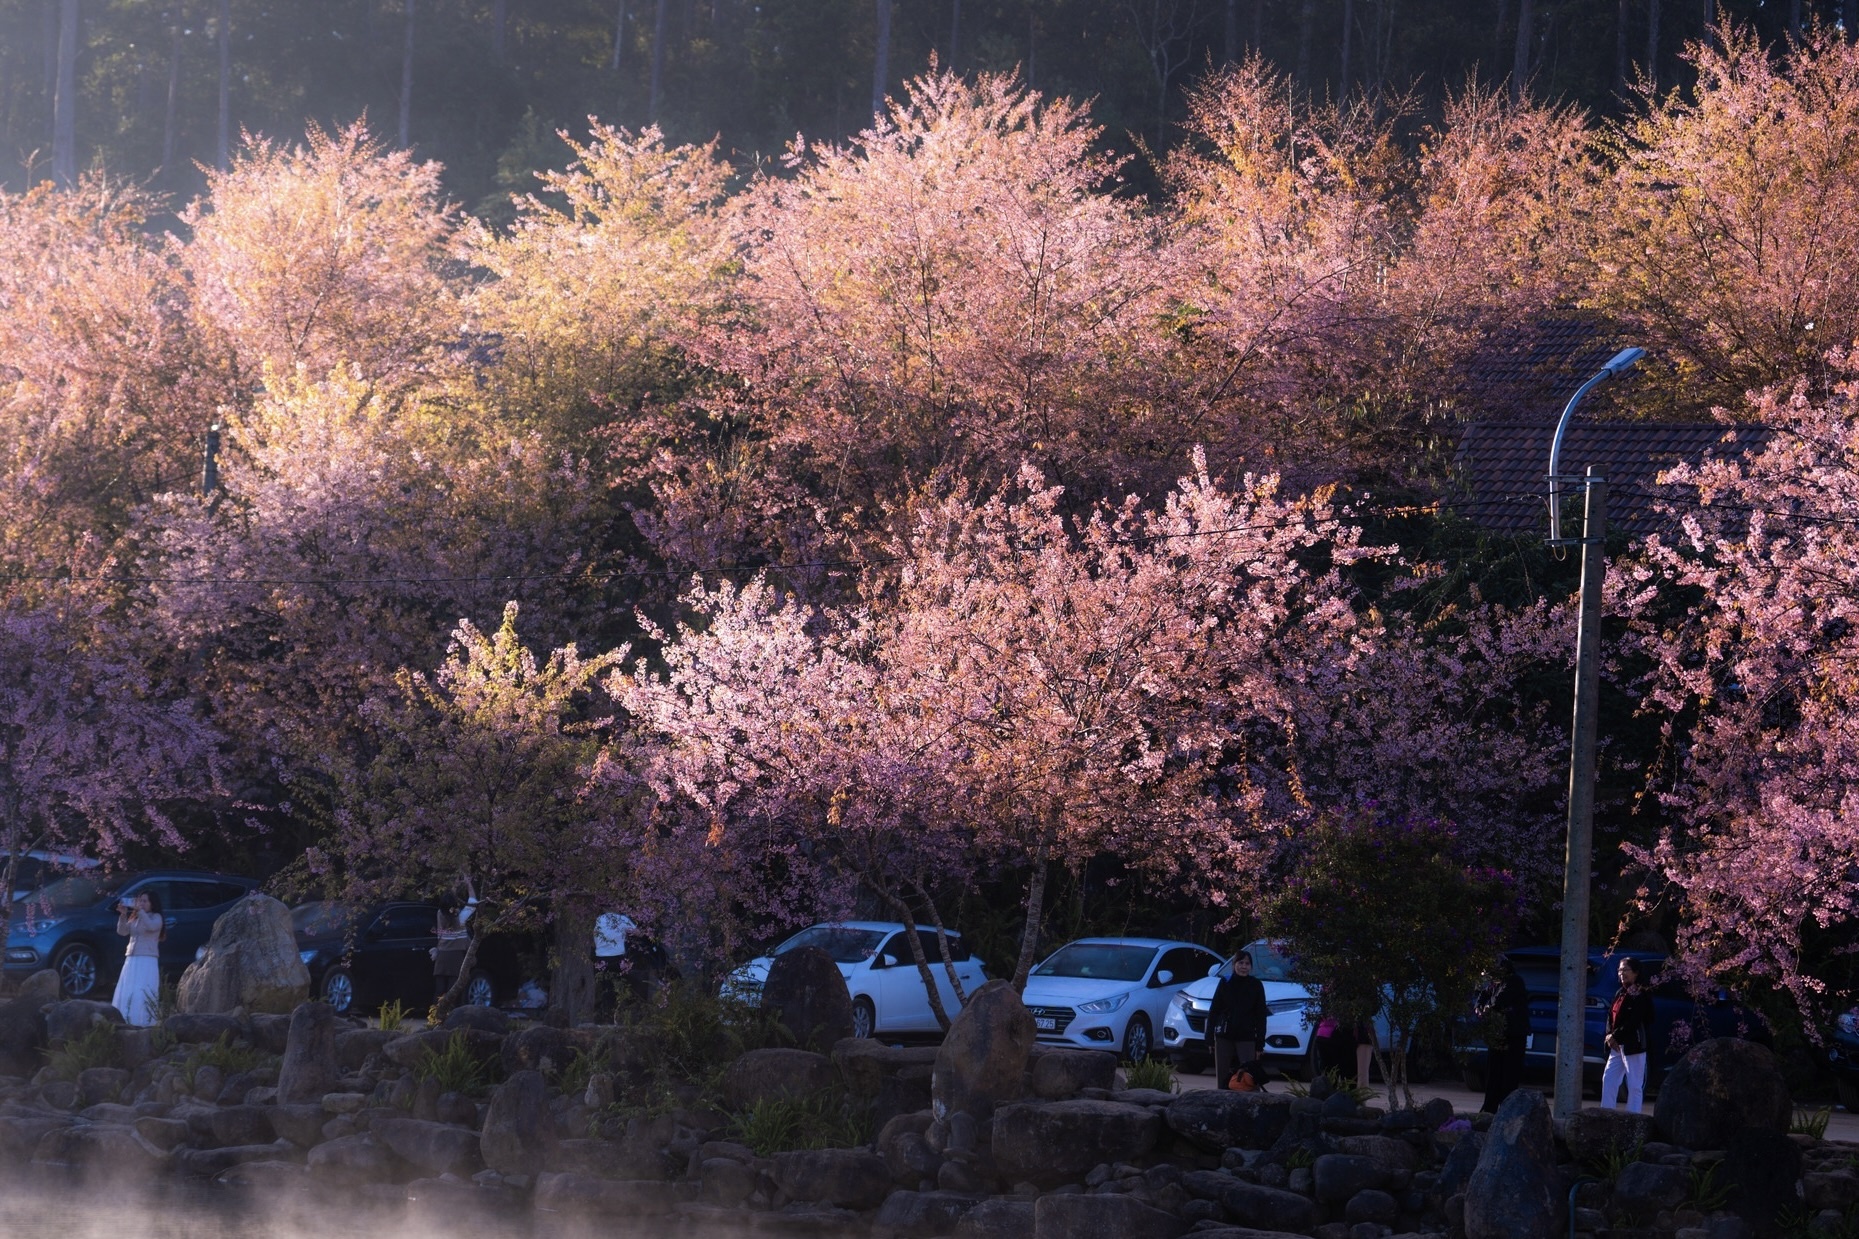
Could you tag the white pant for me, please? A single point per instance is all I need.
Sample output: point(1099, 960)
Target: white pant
point(1633, 1067)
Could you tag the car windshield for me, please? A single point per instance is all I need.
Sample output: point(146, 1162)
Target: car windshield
point(844, 944)
point(1104, 961)
point(1268, 964)
point(325, 916)
point(73, 892)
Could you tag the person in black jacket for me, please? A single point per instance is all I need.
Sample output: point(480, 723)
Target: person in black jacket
point(1510, 1003)
point(1236, 1019)
point(1629, 1033)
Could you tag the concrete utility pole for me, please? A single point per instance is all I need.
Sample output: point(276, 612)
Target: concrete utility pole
point(1572, 992)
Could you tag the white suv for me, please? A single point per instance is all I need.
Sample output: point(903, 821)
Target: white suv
point(1290, 1017)
point(888, 995)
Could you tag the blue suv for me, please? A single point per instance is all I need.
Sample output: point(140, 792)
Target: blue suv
point(70, 924)
point(1679, 1017)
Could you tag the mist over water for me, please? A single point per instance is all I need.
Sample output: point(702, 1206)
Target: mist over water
point(52, 1204)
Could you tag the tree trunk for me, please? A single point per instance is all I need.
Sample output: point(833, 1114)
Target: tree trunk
point(658, 63)
point(1035, 911)
point(1306, 27)
point(881, 60)
point(406, 84)
point(171, 114)
point(500, 22)
point(619, 37)
point(571, 980)
point(1652, 44)
point(448, 1001)
point(1520, 69)
point(64, 99)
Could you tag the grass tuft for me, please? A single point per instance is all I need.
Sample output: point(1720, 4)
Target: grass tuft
point(1152, 1073)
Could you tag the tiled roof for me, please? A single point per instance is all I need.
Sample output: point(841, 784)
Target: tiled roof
point(1502, 467)
point(1532, 369)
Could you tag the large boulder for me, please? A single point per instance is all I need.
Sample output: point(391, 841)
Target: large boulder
point(1058, 1073)
point(309, 1067)
point(1596, 1137)
point(849, 1178)
point(1718, 1088)
point(1761, 1176)
point(205, 1027)
point(1269, 1208)
point(539, 1047)
point(1050, 1143)
point(1219, 1119)
point(519, 1132)
point(920, 1215)
point(100, 1146)
point(1338, 1176)
point(22, 1036)
point(1515, 1193)
point(999, 1217)
point(777, 1072)
point(356, 1159)
point(40, 988)
point(616, 1199)
point(438, 1148)
point(251, 961)
point(982, 1062)
point(73, 1018)
point(1102, 1217)
point(807, 994)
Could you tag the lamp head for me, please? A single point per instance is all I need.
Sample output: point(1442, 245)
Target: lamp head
point(1622, 362)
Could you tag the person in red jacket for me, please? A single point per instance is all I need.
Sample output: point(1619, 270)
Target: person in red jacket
point(1629, 1035)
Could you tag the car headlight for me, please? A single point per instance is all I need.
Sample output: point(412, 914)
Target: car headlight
point(1181, 1002)
point(1104, 1006)
point(1285, 1004)
point(308, 957)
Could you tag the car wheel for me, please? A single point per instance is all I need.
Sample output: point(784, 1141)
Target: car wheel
point(79, 970)
point(864, 1017)
point(1137, 1039)
point(479, 992)
point(1309, 1070)
point(338, 990)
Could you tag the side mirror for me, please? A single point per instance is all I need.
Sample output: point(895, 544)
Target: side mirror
point(1215, 970)
point(1164, 977)
point(888, 961)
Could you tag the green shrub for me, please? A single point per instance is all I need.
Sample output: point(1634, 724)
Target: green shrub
point(1300, 1158)
point(231, 1057)
point(455, 1067)
point(95, 1048)
point(1339, 1083)
point(1812, 1123)
point(829, 1119)
point(572, 1079)
point(391, 1015)
point(1707, 1194)
point(1152, 1073)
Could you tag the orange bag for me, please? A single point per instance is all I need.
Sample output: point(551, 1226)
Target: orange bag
point(1242, 1082)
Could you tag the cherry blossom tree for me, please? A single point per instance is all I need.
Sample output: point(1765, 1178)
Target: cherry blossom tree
point(1753, 675)
point(95, 753)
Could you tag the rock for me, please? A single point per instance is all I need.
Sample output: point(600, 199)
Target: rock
point(1268, 1208)
point(355, 1045)
point(1049, 1143)
point(22, 1036)
point(1719, 1087)
point(982, 1061)
point(1643, 1189)
point(609, 1159)
point(724, 1181)
point(849, 1178)
point(1340, 1106)
point(1101, 1217)
point(309, 1067)
point(762, 1074)
point(210, 1163)
point(435, 1147)
point(1594, 1136)
point(220, 1127)
point(164, 1134)
point(96, 1084)
point(1370, 1205)
point(868, 1064)
point(410, 1050)
point(1457, 1172)
point(807, 993)
point(270, 1032)
point(998, 1218)
point(1058, 1074)
point(72, 1018)
point(920, 1215)
point(355, 1159)
point(902, 1146)
point(39, 989)
point(1761, 1172)
point(1832, 1190)
point(205, 1028)
point(301, 1124)
point(1219, 1119)
point(267, 1176)
point(20, 1133)
point(1339, 1176)
point(519, 1133)
point(251, 962)
point(484, 1019)
point(100, 1146)
point(612, 1198)
point(538, 1048)
point(1515, 1192)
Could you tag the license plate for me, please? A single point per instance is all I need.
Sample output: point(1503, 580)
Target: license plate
point(1045, 1023)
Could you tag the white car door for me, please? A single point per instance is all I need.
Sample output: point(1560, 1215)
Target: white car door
point(903, 1003)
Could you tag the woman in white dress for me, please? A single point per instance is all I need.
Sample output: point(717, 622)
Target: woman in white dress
point(137, 987)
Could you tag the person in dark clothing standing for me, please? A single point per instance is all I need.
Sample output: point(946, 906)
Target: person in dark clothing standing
point(1236, 1019)
point(1510, 1003)
point(1629, 1036)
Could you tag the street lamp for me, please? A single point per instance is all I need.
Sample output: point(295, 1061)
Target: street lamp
point(1572, 996)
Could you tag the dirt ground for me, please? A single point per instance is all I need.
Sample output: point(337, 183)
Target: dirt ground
point(1842, 1126)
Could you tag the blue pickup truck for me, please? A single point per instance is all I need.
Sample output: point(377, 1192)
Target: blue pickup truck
point(1679, 1017)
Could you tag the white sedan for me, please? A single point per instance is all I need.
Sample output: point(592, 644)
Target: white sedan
point(888, 994)
point(1112, 993)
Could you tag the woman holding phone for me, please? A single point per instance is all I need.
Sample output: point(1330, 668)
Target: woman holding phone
point(140, 920)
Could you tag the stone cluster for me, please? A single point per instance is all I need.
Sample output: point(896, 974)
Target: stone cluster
point(989, 1136)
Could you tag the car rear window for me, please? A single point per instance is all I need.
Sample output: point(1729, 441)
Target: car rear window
point(845, 944)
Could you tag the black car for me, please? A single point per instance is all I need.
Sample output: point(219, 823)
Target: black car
point(1843, 1058)
point(70, 924)
point(362, 957)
